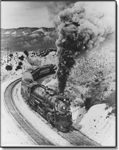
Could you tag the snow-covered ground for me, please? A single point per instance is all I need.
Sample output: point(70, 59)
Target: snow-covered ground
point(11, 133)
point(30, 62)
point(100, 126)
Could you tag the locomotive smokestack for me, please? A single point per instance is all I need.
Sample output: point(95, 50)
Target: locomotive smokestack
point(81, 28)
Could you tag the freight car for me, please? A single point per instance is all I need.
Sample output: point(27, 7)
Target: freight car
point(43, 71)
point(45, 101)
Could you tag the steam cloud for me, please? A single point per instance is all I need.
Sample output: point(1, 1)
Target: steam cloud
point(55, 7)
point(81, 27)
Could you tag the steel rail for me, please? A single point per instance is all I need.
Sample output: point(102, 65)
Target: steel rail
point(24, 124)
point(75, 137)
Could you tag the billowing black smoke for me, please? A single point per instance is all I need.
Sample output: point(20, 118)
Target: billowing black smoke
point(80, 29)
point(68, 49)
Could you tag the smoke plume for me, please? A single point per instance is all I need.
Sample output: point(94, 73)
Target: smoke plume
point(54, 8)
point(81, 27)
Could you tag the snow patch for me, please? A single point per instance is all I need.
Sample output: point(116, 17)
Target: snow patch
point(39, 30)
point(24, 33)
point(99, 126)
point(7, 32)
point(34, 35)
point(14, 33)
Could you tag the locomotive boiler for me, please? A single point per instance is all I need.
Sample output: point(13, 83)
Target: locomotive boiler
point(45, 101)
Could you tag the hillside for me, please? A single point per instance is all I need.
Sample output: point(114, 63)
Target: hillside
point(94, 72)
point(31, 39)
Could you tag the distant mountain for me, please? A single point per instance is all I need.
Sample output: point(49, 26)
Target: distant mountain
point(26, 38)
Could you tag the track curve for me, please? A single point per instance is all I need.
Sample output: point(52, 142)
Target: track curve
point(74, 137)
point(35, 136)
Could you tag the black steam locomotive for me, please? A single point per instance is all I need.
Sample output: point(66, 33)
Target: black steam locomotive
point(53, 107)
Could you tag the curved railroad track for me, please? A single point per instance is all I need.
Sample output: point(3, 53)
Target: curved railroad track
point(75, 137)
point(38, 138)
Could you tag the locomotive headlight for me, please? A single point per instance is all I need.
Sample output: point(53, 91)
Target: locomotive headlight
point(64, 108)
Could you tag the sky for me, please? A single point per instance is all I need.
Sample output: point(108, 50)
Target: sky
point(24, 14)
point(16, 14)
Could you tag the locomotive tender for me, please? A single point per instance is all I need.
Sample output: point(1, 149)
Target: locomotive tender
point(45, 101)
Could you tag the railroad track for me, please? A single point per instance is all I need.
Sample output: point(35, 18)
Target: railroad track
point(37, 138)
point(75, 137)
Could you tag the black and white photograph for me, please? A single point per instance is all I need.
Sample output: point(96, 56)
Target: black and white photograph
point(58, 74)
